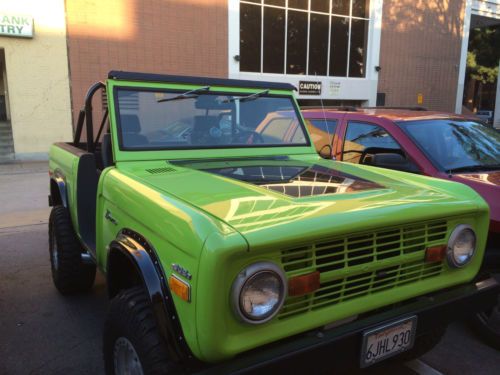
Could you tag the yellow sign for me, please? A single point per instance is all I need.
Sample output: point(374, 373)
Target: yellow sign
point(420, 98)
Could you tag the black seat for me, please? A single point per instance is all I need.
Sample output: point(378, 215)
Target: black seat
point(200, 135)
point(131, 128)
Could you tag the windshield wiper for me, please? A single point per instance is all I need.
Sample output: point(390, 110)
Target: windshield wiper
point(187, 95)
point(475, 168)
point(242, 99)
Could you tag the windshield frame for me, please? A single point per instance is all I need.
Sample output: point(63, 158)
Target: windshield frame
point(214, 90)
point(435, 163)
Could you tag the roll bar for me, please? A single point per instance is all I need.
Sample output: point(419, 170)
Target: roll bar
point(85, 116)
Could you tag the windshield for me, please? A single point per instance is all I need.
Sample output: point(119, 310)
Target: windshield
point(162, 120)
point(456, 144)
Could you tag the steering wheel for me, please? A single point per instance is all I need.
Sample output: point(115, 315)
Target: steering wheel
point(250, 137)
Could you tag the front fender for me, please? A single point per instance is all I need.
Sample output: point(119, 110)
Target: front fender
point(144, 259)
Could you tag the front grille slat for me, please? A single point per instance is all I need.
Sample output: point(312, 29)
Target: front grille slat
point(358, 265)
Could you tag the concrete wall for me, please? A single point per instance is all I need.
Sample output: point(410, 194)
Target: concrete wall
point(37, 79)
point(420, 52)
point(186, 37)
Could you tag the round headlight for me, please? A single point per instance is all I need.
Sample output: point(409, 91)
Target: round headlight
point(258, 292)
point(461, 246)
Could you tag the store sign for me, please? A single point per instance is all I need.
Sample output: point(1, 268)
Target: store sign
point(309, 88)
point(16, 25)
point(334, 88)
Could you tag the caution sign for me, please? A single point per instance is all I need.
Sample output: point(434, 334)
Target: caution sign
point(420, 99)
point(309, 88)
point(16, 25)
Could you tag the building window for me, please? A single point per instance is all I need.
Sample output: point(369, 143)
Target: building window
point(304, 37)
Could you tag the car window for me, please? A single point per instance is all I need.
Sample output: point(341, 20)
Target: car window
point(456, 144)
point(164, 120)
point(321, 131)
point(363, 138)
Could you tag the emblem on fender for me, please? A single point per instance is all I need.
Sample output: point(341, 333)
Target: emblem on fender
point(182, 271)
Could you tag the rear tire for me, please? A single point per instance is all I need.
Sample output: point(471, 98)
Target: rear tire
point(131, 342)
point(69, 273)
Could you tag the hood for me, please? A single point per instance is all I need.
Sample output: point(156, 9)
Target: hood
point(487, 184)
point(294, 198)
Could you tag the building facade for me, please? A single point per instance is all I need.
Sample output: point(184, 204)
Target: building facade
point(337, 52)
point(34, 79)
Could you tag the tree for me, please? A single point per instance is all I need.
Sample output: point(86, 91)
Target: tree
point(484, 54)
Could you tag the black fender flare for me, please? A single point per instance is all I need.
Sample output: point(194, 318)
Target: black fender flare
point(142, 255)
point(60, 181)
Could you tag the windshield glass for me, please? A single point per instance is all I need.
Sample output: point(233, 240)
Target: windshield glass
point(201, 119)
point(456, 144)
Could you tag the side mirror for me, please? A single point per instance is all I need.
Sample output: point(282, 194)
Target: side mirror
point(393, 161)
point(326, 152)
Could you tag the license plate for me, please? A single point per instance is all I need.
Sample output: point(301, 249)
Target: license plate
point(386, 341)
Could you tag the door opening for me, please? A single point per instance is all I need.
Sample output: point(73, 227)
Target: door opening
point(6, 140)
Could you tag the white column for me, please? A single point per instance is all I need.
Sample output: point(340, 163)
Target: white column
point(373, 44)
point(496, 119)
point(463, 56)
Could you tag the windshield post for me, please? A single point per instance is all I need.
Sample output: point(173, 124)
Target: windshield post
point(237, 112)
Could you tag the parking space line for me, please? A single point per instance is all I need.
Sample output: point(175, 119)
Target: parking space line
point(422, 368)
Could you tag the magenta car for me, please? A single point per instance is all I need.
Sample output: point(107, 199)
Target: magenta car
point(436, 144)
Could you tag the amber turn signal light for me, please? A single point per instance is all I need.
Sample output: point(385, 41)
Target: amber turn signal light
point(300, 285)
point(435, 254)
point(180, 287)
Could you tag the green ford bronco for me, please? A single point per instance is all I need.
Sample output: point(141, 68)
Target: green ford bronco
point(229, 245)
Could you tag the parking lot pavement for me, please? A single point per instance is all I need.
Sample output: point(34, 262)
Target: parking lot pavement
point(42, 332)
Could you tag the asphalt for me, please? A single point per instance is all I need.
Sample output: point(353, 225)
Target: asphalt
point(42, 332)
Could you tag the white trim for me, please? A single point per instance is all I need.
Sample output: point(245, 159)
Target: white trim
point(496, 118)
point(329, 41)
point(349, 40)
point(373, 46)
point(308, 34)
point(486, 8)
point(338, 88)
point(233, 40)
point(262, 10)
point(285, 51)
point(463, 57)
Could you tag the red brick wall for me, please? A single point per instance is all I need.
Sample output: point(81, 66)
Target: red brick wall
point(420, 52)
point(186, 37)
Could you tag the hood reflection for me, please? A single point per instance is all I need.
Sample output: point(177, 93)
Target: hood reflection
point(298, 181)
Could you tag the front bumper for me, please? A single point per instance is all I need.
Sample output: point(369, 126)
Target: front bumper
point(339, 348)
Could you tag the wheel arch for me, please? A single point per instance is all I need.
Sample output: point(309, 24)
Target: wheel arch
point(133, 261)
point(58, 191)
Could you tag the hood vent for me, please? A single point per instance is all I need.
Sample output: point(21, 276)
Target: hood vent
point(161, 170)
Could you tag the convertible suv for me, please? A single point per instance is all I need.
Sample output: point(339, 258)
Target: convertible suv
point(227, 248)
point(438, 144)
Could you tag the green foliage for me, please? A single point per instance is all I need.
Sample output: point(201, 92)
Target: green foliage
point(481, 73)
point(484, 54)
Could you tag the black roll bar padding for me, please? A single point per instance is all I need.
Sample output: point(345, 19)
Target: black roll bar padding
point(88, 114)
point(101, 127)
point(79, 126)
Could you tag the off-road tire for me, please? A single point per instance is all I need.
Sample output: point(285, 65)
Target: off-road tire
point(69, 273)
point(130, 316)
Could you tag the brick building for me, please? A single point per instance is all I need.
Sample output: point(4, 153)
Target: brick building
point(354, 52)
